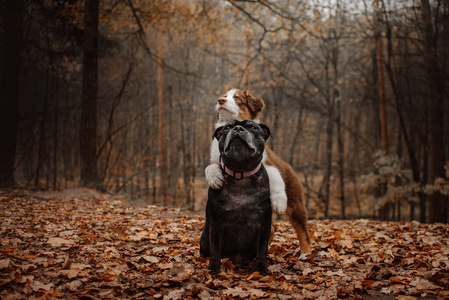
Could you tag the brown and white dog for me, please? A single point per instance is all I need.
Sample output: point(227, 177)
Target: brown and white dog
point(286, 192)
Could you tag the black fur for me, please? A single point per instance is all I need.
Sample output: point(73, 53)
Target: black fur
point(238, 216)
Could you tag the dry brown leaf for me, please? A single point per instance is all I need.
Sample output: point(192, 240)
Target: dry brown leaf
point(6, 264)
point(74, 285)
point(235, 292)
point(58, 242)
point(38, 286)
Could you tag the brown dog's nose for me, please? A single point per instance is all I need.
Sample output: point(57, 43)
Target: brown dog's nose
point(222, 101)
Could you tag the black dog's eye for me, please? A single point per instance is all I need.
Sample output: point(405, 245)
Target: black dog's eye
point(253, 127)
point(227, 127)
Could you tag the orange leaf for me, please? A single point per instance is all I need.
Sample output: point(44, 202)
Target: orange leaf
point(367, 282)
point(397, 280)
point(253, 275)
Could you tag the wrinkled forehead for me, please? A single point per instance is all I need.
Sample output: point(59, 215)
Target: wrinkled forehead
point(233, 123)
point(249, 122)
point(243, 123)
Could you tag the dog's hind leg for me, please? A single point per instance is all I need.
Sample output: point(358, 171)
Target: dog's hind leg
point(297, 215)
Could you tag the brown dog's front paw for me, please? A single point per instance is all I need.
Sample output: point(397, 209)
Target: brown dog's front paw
point(214, 267)
point(214, 176)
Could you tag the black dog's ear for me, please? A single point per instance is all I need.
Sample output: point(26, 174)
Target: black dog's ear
point(218, 132)
point(266, 130)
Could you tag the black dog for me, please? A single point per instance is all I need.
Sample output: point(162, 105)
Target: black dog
point(238, 216)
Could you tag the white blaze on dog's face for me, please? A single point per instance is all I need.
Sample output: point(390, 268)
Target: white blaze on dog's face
point(238, 105)
point(227, 107)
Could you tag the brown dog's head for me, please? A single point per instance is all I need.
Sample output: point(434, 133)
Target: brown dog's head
point(238, 105)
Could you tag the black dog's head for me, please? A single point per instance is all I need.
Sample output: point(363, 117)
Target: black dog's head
point(242, 143)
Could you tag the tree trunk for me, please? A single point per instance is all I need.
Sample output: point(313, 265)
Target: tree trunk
point(403, 129)
point(381, 80)
point(247, 60)
point(66, 149)
point(9, 90)
point(383, 108)
point(385, 209)
point(341, 151)
point(42, 138)
point(435, 111)
point(327, 176)
point(55, 140)
point(274, 139)
point(163, 169)
point(88, 130)
point(298, 131)
point(355, 159)
point(340, 143)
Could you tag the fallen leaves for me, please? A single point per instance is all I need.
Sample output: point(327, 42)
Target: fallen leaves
point(102, 247)
point(58, 242)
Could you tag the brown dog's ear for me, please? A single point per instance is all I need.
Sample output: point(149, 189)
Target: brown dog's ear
point(266, 130)
point(218, 133)
point(255, 104)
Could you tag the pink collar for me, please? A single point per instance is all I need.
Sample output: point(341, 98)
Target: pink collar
point(240, 175)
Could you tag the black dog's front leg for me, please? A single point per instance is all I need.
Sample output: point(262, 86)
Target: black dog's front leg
point(261, 263)
point(205, 240)
point(262, 249)
point(216, 241)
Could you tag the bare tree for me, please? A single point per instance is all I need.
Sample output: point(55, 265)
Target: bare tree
point(88, 132)
point(9, 90)
point(435, 114)
point(163, 167)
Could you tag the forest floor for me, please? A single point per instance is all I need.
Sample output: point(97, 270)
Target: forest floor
point(84, 245)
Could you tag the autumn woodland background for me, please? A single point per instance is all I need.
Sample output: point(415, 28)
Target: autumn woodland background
point(117, 95)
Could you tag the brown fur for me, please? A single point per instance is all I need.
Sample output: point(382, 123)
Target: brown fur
point(296, 210)
point(250, 108)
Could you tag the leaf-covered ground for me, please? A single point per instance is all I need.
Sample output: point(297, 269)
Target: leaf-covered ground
point(96, 247)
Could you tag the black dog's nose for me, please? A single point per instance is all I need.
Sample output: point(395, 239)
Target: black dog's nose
point(238, 128)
